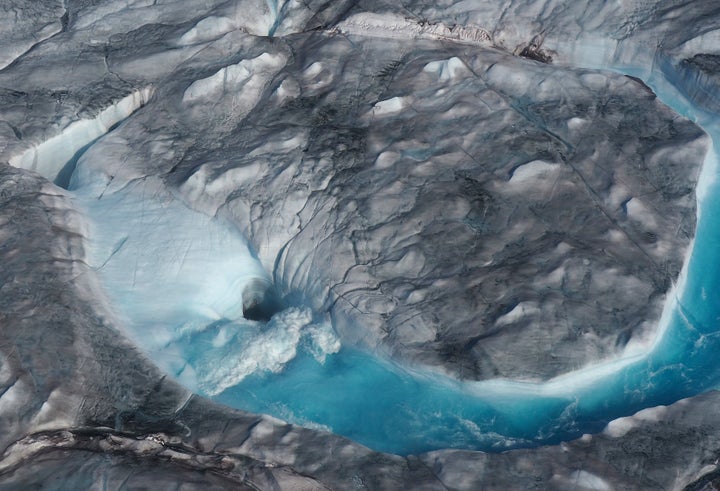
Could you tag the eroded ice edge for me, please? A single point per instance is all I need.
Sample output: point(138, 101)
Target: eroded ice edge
point(181, 305)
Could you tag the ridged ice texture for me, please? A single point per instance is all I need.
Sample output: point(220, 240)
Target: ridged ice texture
point(433, 224)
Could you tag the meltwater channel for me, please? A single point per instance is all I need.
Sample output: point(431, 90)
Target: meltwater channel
point(295, 369)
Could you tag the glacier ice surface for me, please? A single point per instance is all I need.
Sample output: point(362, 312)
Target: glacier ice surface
point(230, 199)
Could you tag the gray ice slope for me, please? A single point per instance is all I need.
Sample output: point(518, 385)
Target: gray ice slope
point(373, 111)
point(439, 194)
point(435, 178)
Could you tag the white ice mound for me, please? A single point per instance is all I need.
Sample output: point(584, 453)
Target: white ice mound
point(50, 157)
point(234, 89)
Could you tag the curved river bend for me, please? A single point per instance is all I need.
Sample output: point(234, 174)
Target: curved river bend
point(294, 368)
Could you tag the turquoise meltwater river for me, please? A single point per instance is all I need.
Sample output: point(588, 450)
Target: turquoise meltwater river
point(390, 408)
point(295, 369)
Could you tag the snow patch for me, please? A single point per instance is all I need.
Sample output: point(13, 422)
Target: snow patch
point(206, 191)
point(288, 89)
point(208, 29)
point(245, 79)
point(56, 412)
point(233, 91)
point(637, 211)
point(386, 159)
point(390, 106)
point(15, 397)
point(577, 124)
point(532, 171)
point(520, 311)
point(317, 76)
point(450, 69)
point(585, 480)
point(387, 25)
point(536, 178)
point(621, 426)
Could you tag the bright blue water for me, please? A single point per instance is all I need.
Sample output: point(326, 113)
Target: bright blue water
point(373, 401)
point(393, 409)
point(389, 408)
